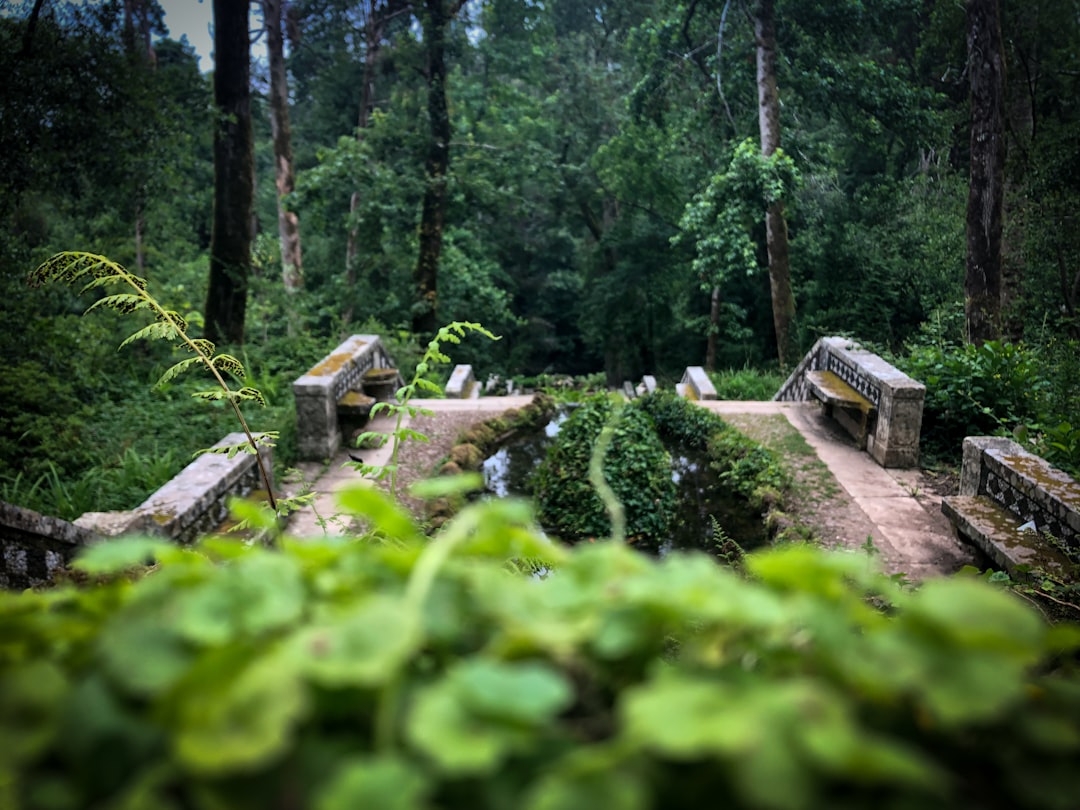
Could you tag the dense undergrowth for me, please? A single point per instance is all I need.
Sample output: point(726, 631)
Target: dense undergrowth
point(1029, 392)
point(406, 672)
point(638, 467)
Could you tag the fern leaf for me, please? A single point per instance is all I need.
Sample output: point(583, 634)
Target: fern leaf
point(173, 318)
point(229, 364)
point(252, 394)
point(71, 266)
point(159, 330)
point(124, 303)
point(205, 346)
point(228, 449)
point(177, 370)
point(212, 394)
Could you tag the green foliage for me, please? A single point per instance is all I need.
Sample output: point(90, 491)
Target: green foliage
point(719, 222)
point(97, 272)
point(746, 384)
point(975, 390)
point(751, 470)
point(636, 467)
point(406, 674)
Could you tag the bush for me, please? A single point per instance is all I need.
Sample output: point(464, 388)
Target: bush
point(336, 674)
point(636, 466)
point(975, 390)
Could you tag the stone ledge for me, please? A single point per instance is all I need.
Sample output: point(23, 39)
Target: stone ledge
point(894, 440)
point(462, 383)
point(696, 384)
point(998, 533)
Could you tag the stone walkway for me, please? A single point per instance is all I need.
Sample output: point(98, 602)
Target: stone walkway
point(911, 533)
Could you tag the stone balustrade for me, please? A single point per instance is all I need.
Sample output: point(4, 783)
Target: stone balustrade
point(318, 391)
point(1018, 509)
point(892, 439)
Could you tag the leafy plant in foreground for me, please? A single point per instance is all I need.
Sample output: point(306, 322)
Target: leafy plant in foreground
point(97, 271)
point(422, 673)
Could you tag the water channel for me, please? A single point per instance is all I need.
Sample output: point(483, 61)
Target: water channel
point(701, 495)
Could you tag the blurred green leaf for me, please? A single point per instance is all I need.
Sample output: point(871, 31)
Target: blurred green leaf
point(384, 783)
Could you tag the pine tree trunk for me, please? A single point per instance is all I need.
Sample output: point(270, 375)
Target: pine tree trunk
point(292, 264)
point(783, 299)
point(433, 211)
point(230, 235)
point(986, 68)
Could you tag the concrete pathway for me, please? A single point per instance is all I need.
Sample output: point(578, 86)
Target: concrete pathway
point(911, 533)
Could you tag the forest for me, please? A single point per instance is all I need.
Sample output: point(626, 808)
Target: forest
point(614, 188)
point(590, 181)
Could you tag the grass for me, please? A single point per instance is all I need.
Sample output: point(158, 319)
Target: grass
point(746, 384)
point(812, 480)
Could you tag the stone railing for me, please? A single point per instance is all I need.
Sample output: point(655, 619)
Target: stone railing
point(893, 437)
point(462, 384)
point(318, 391)
point(1018, 509)
point(34, 547)
point(193, 503)
point(696, 384)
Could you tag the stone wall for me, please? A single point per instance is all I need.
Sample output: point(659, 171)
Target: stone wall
point(319, 389)
point(1025, 485)
point(33, 547)
point(894, 439)
point(193, 503)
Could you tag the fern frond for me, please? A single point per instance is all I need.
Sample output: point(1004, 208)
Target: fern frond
point(174, 318)
point(228, 364)
point(205, 346)
point(229, 449)
point(71, 266)
point(249, 393)
point(159, 330)
point(124, 303)
point(212, 394)
point(177, 370)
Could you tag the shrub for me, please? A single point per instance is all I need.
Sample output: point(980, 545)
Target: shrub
point(636, 466)
point(336, 674)
point(975, 390)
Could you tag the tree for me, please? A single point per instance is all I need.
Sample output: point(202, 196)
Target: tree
point(375, 16)
point(230, 236)
point(986, 68)
point(776, 234)
point(436, 19)
point(292, 265)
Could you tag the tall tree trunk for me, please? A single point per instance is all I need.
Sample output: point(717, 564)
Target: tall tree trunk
point(230, 236)
point(776, 234)
point(714, 328)
point(141, 53)
point(292, 265)
point(376, 14)
point(986, 68)
point(1023, 55)
point(433, 211)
